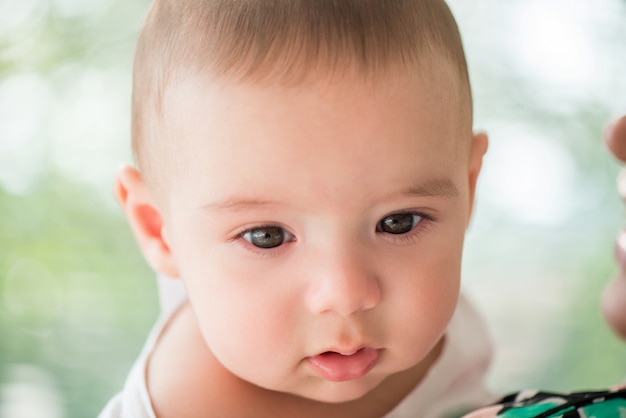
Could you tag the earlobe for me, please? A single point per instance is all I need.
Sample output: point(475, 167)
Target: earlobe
point(480, 143)
point(145, 220)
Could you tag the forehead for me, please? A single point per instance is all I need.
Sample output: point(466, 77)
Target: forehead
point(321, 135)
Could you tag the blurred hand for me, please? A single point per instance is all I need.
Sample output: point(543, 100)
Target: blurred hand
point(614, 299)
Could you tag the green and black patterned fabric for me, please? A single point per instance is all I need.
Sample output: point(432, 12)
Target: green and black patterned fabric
point(533, 404)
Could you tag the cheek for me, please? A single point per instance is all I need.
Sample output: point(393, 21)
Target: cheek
point(232, 305)
point(429, 300)
point(442, 275)
point(427, 294)
point(245, 318)
point(243, 334)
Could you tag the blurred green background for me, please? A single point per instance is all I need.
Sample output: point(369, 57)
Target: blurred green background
point(76, 299)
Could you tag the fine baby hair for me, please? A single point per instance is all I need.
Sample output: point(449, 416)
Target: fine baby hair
point(280, 42)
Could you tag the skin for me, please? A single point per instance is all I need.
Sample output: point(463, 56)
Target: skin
point(614, 300)
point(326, 162)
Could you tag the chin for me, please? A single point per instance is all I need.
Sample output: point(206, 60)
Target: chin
point(337, 393)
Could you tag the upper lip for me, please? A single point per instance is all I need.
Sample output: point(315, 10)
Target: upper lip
point(345, 351)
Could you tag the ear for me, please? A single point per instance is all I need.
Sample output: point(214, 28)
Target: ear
point(145, 220)
point(480, 143)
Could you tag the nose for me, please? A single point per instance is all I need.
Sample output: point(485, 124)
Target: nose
point(344, 284)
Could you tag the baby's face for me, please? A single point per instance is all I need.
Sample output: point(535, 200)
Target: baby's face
point(319, 228)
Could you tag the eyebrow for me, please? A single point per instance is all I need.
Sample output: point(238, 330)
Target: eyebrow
point(442, 188)
point(236, 205)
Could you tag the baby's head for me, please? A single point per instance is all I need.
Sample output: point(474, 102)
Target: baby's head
point(307, 168)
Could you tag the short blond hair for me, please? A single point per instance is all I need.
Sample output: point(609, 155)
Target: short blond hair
point(281, 41)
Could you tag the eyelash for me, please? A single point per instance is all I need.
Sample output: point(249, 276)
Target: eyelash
point(425, 222)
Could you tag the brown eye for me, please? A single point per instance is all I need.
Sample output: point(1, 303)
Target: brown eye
point(398, 223)
point(265, 237)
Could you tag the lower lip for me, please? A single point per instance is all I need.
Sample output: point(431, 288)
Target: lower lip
point(339, 368)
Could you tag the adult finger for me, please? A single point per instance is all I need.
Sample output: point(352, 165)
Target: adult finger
point(615, 138)
point(614, 298)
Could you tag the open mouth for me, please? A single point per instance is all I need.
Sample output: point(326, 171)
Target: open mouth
point(338, 367)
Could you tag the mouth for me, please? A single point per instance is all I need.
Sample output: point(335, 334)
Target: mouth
point(340, 367)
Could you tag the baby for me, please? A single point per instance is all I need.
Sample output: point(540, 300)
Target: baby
point(307, 170)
